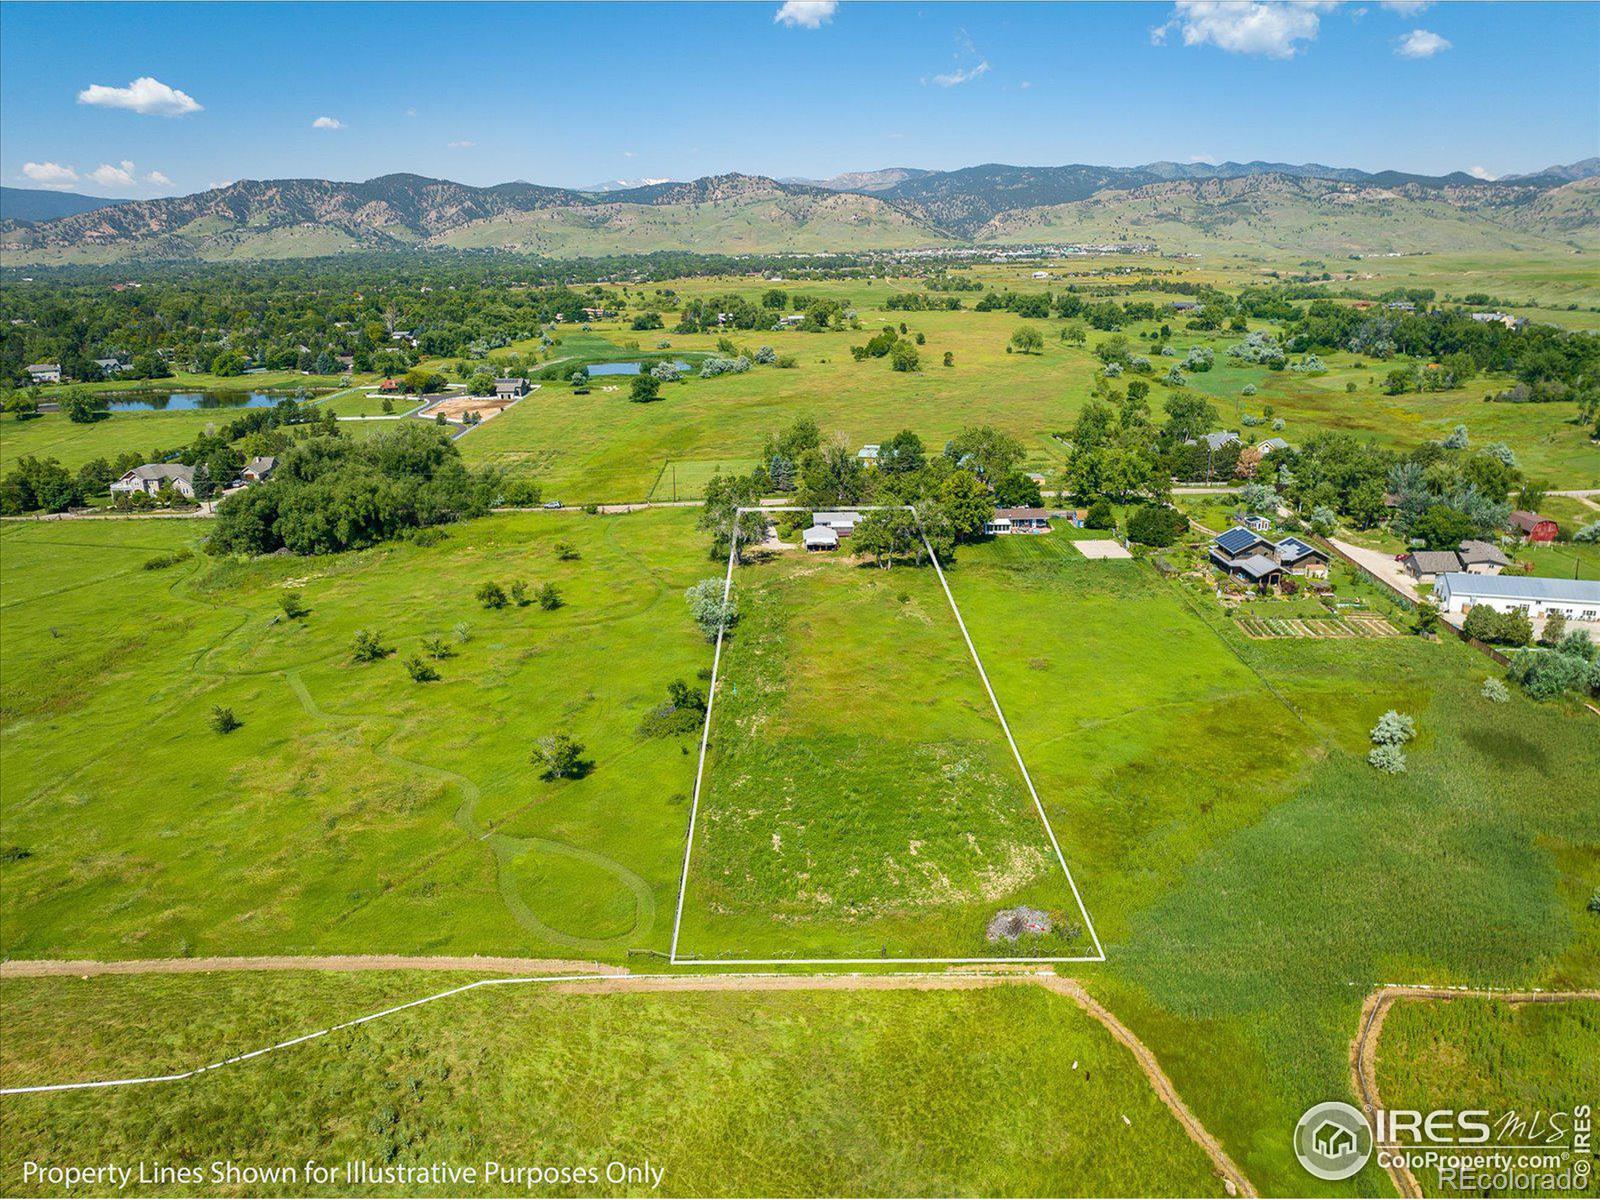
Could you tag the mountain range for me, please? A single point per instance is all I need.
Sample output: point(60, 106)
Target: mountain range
point(1255, 207)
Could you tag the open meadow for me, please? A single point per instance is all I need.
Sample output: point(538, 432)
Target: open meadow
point(835, 824)
point(1005, 1090)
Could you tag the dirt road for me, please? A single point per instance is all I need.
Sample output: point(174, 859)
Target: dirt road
point(42, 968)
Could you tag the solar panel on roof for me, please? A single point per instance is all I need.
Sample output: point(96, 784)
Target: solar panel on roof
point(1237, 539)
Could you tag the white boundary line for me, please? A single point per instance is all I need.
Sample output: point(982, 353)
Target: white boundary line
point(177, 1076)
point(1099, 954)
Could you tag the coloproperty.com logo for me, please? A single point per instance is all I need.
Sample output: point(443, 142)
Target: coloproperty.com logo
point(1454, 1150)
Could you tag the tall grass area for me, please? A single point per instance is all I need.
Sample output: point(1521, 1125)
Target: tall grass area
point(1485, 1054)
point(1005, 1091)
point(860, 799)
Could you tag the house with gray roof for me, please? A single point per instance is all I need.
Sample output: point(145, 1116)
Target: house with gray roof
point(842, 522)
point(1427, 565)
point(510, 389)
point(258, 468)
point(152, 477)
point(1251, 558)
point(1575, 599)
point(1482, 558)
point(1215, 441)
point(820, 537)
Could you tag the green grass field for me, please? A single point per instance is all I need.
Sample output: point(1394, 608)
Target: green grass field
point(832, 825)
point(1481, 1054)
point(1005, 1091)
point(354, 809)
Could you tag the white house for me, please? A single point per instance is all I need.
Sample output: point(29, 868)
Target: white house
point(842, 523)
point(1575, 599)
point(868, 454)
point(152, 477)
point(510, 389)
point(820, 537)
point(45, 372)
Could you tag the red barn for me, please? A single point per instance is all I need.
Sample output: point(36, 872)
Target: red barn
point(1534, 527)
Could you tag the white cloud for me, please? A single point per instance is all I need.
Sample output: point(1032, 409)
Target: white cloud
point(157, 179)
point(462, 144)
point(50, 175)
point(146, 96)
point(107, 175)
point(1421, 43)
point(806, 14)
point(629, 154)
point(411, 112)
point(1273, 28)
point(219, 184)
point(960, 76)
point(1406, 8)
point(1481, 173)
point(327, 123)
point(1024, 85)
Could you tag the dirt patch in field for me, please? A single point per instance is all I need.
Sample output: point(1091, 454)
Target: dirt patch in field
point(456, 408)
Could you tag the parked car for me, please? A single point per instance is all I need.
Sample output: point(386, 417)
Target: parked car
point(552, 504)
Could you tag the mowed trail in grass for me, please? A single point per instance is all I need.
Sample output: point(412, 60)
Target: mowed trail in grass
point(860, 799)
point(1473, 1053)
point(1008, 1091)
point(354, 810)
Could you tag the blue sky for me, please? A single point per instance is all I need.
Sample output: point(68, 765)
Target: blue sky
point(148, 99)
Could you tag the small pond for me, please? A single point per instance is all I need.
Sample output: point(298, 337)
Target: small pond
point(625, 368)
point(183, 401)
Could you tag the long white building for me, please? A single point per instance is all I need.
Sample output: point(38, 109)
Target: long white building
point(1575, 599)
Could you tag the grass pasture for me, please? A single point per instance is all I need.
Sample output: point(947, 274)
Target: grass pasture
point(354, 810)
point(860, 800)
point(1473, 1053)
point(1007, 1090)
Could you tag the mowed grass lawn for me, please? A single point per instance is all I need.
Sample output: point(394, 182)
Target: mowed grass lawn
point(1473, 1053)
point(859, 799)
point(1008, 1091)
point(354, 810)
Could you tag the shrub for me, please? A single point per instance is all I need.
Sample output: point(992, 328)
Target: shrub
point(293, 606)
point(222, 719)
point(1100, 516)
point(1544, 675)
point(519, 594)
point(162, 561)
point(708, 608)
point(463, 632)
point(420, 671)
point(550, 597)
point(1497, 628)
point(491, 595)
point(666, 372)
point(430, 535)
point(566, 551)
point(1389, 759)
point(521, 493)
point(644, 389)
point(369, 646)
point(766, 356)
point(903, 357)
point(1495, 691)
point(787, 362)
point(1394, 729)
point(560, 757)
point(437, 647)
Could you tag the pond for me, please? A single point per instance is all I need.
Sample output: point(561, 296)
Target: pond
point(183, 401)
point(625, 368)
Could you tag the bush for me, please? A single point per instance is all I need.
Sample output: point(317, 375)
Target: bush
point(519, 594)
point(787, 362)
point(1494, 691)
point(462, 632)
point(420, 671)
point(369, 646)
point(766, 356)
point(162, 561)
point(437, 647)
point(1497, 628)
point(550, 597)
point(1100, 516)
point(560, 757)
point(491, 595)
point(644, 389)
point(521, 493)
point(222, 719)
point(432, 535)
point(1389, 759)
point(1544, 675)
point(293, 606)
point(1394, 729)
point(566, 551)
point(666, 372)
point(709, 610)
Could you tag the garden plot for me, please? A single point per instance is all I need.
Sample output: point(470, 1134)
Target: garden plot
point(1317, 627)
point(860, 799)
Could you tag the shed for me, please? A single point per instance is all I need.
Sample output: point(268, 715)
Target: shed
point(820, 537)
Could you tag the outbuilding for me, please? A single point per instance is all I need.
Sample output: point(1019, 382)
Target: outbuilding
point(1575, 599)
point(820, 537)
point(1534, 527)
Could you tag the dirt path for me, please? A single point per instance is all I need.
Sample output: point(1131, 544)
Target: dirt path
point(602, 980)
point(1364, 1049)
point(45, 967)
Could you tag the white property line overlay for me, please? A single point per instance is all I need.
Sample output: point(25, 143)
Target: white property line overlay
point(1099, 954)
